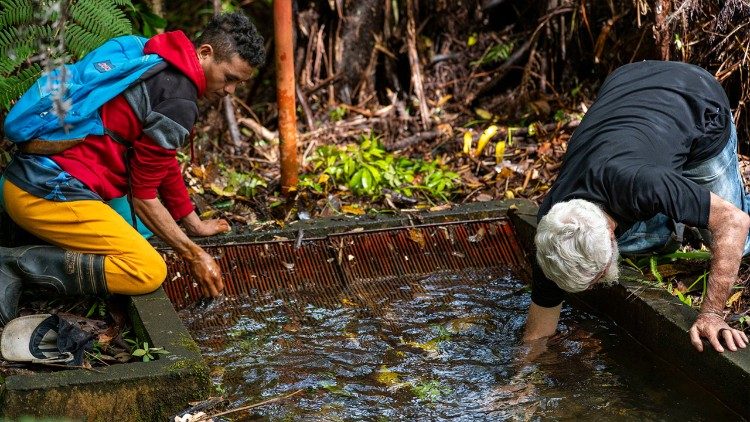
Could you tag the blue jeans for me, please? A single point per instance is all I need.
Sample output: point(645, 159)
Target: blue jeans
point(719, 174)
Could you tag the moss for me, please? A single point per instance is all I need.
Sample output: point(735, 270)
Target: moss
point(195, 367)
point(188, 343)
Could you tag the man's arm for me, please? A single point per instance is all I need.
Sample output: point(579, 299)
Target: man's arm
point(729, 227)
point(541, 322)
point(202, 265)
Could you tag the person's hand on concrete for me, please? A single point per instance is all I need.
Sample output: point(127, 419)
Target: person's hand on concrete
point(207, 273)
point(713, 327)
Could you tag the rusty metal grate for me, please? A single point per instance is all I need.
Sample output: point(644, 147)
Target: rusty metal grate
point(367, 266)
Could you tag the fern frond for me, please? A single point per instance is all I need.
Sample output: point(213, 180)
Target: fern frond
point(101, 17)
point(15, 12)
point(80, 41)
point(125, 3)
point(13, 40)
point(10, 63)
point(11, 88)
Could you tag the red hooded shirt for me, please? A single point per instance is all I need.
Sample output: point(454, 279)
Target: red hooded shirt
point(99, 162)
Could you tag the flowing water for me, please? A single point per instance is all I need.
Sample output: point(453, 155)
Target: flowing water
point(441, 348)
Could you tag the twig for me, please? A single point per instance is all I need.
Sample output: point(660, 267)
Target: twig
point(259, 129)
point(416, 71)
point(97, 358)
point(58, 365)
point(414, 139)
point(240, 409)
point(322, 84)
point(305, 107)
point(358, 110)
point(234, 131)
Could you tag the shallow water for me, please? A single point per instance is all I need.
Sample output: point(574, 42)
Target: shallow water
point(443, 348)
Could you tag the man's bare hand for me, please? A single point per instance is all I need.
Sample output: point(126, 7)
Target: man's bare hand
point(713, 327)
point(207, 273)
point(206, 227)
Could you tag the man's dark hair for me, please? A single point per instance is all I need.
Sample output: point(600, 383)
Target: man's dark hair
point(234, 33)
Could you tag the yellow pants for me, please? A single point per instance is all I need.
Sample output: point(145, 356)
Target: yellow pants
point(131, 265)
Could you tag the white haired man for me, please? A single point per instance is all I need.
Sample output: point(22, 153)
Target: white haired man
point(657, 146)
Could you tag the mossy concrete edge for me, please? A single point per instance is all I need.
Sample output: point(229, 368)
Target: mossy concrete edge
point(660, 322)
point(139, 391)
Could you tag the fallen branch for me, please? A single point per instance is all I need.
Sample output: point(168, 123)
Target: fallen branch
point(240, 409)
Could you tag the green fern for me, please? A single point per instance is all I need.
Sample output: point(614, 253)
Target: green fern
point(15, 12)
point(12, 87)
point(100, 17)
point(80, 41)
point(89, 24)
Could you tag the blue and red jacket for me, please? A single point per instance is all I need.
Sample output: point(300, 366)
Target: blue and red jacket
point(155, 117)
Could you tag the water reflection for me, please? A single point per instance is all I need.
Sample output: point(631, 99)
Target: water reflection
point(441, 348)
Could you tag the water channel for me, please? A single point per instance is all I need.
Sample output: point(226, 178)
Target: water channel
point(444, 348)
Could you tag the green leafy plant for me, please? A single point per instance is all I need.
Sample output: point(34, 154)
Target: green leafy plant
point(367, 169)
point(337, 114)
point(145, 352)
point(98, 308)
point(653, 262)
point(234, 183)
point(495, 53)
point(744, 321)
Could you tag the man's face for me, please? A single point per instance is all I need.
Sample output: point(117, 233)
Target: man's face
point(222, 77)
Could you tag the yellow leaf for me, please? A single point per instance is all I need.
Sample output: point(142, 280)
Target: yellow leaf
point(499, 152)
point(488, 134)
point(352, 209)
point(221, 191)
point(468, 138)
point(417, 236)
point(734, 297)
point(208, 214)
point(482, 113)
point(323, 178)
point(444, 99)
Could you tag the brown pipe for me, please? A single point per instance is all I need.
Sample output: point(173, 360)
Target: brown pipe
point(285, 90)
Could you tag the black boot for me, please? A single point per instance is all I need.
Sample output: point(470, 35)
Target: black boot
point(65, 272)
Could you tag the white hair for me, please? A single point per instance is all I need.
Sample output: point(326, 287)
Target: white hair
point(574, 245)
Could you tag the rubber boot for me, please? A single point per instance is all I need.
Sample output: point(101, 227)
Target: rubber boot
point(65, 272)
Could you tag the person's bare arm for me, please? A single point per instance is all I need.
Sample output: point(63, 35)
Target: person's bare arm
point(729, 227)
point(202, 265)
point(541, 322)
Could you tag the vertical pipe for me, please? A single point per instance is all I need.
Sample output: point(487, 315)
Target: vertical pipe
point(282, 16)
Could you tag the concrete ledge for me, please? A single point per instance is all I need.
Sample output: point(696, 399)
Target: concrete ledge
point(320, 228)
point(140, 391)
point(661, 322)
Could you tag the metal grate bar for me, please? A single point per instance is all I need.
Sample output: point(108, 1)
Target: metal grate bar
point(365, 266)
